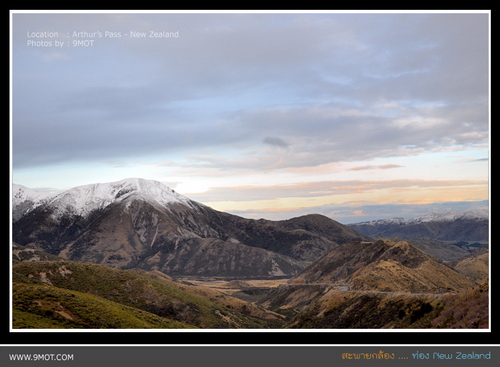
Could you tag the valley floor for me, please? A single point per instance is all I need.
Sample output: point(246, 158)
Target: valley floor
point(233, 286)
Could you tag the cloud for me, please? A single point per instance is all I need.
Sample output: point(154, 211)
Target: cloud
point(327, 189)
point(322, 88)
point(330, 133)
point(384, 166)
point(277, 142)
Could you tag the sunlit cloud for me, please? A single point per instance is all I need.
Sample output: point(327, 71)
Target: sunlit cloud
point(385, 166)
point(329, 189)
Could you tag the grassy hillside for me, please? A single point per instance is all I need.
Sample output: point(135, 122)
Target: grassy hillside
point(47, 307)
point(57, 293)
point(24, 254)
point(41, 287)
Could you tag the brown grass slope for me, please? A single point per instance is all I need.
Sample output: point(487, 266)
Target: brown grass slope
point(383, 266)
point(475, 266)
point(381, 284)
point(467, 309)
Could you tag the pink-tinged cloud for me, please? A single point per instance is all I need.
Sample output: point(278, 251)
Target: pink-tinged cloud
point(330, 188)
point(384, 166)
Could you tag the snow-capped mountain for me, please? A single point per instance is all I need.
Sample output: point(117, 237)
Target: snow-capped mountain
point(474, 214)
point(24, 200)
point(471, 225)
point(22, 193)
point(143, 223)
point(82, 200)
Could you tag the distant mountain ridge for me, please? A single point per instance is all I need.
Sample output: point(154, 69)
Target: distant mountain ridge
point(472, 225)
point(136, 223)
point(475, 214)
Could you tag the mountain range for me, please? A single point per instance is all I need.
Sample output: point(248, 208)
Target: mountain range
point(131, 249)
point(137, 223)
point(471, 225)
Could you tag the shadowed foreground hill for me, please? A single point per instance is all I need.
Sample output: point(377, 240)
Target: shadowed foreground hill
point(79, 295)
point(467, 309)
point(44, 307)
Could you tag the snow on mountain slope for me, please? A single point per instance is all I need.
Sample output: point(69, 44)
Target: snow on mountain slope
point(22, 193)
point(471, 226)
point(478, 214)
point(82, 200)
point(25, 199)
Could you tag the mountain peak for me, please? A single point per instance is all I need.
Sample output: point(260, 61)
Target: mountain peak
point(84, 199)
point(21, 193)
point(25, 199)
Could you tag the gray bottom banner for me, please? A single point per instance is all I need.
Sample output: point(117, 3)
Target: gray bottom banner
point(260, 356)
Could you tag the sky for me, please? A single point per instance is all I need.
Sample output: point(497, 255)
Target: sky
point(354, 115)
